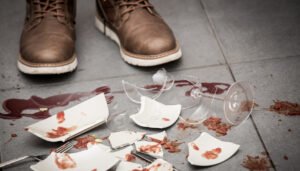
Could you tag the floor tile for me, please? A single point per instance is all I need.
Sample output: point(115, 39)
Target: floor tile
point(25, 143)
point(253, 30)
point(98, 56)
point(275, 80)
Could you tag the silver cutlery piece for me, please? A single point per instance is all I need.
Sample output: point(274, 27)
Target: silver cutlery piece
point(147, 158)
point(62, 149)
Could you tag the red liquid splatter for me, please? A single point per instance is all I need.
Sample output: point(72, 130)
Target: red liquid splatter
point(170, 146)
point(215, 124)
point(12, 136)
point(15, 107)
point(285, 108)
point(195, 146)
point(130, 157)
point(183, 126)
point(64, 161)
point(60, 116)
point(166, 119)
point(60, 131)
point(212, 154)
point(83, 141)
point(254, 163)
point(150, 148)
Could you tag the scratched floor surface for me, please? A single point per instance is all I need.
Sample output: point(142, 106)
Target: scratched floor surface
point(222, 41)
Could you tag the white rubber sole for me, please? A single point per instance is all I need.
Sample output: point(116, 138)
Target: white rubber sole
point(47, 70)
point(133, 60)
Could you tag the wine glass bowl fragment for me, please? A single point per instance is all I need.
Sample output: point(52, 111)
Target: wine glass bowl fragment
point(153, 114)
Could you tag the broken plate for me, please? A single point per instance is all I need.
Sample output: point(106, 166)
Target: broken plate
point(73, 121)
point(159, 137)
point(124, 138)
point(102, 146)
point(123, 153)
point(151, 148)
point(159, 165)
point(92, 159)
point(129, 166)
point(207, 150)
point(153, 114)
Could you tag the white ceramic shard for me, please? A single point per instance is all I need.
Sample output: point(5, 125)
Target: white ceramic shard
point(151, 148)
point(102, 146)
point(77, 119)
point(153, 114)
point(205, 143)
point(128, 166)
point(124, 138)
point(160, 165)
point(121, 154)
point(91, 159)
point(159, 137)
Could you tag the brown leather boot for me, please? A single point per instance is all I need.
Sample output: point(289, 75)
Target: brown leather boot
point(142, 35)
point(47, 43)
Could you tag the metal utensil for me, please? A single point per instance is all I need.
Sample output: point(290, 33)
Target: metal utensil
point(64, 148)
point(147, 158)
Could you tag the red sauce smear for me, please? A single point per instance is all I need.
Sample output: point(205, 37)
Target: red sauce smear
point(166, 119)
point(246, 106)
point(60, 116)
point(15, 107)
point(82, 142)
point(170, 146)
point(130, 157)
point(64, 161)
point(285, 108)
point(60, 131)
point(215, 124)
point(94, 170)
point(195, 146)
point(255, 163)
point(150, 148)
point(184, 125)
point(212, 154)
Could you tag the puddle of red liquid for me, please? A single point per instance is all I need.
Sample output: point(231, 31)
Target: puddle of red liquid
point(216, 124)
point(60, 131)
point(83, 141)
point(255, 163)
point(285, 108)
point(212, 154)
point(64, 161)
point(15, 107)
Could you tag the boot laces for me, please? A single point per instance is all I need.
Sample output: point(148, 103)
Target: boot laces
point(52, 7)
point(129, 6)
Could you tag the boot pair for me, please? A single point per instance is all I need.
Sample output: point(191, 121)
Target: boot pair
point(47, 43)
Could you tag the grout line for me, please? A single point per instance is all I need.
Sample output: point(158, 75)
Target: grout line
point(234, 79)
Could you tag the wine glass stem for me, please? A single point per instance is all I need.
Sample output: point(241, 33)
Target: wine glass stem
point(212, 97)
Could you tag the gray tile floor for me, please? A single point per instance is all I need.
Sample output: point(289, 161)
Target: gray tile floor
point(222, 40)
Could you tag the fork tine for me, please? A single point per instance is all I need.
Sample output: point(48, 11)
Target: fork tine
point(65, 147)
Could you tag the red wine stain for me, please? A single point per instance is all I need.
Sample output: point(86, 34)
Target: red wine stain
point(254, 163)
point(60, 131)
point(285, 157)
point(60, 116)
point(130, 157)
point(169, 145)
point(15, 107)
point(12, 136)
point(150, 148)
point(185, 125)
point(216, 124)
point(285, 108)
point(211, 88)
point(212, 154)
point(166, 119)
point(82, 142)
